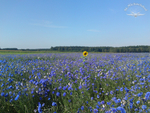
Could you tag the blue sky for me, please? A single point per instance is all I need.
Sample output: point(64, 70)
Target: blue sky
point(45, 23)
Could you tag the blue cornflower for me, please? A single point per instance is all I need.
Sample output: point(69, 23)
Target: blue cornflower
point(82, 107)
point(131, 100)
point(114, 98)
point(64, 94)
point(99, 103)
point(136, 109)
point(54, 104)
point(95, 110)
point(138, 102)
point(80, 87)
point(103, 102)
point(64, 88)
point(97, 96)
point(69, 100)
point(126, 98)
point(119, 100)
point(2, 85)
point(111, 92)
point(131, 105)
point(6, 95)
point(121, 109)
point(32, 92)
point(121, 89)
point(108, 103)
point(70, 93)
point(10, 87)
point(97, 106)
point(53, 92)
point(147, 96)
point(11, 100)
point(39, 108)
point(140, 94)
point(58, 94)
point(43, 104)
point(127, 90)
point(91, 98)
point(60, 87)
point(2, 94)
point(49, 98)
point(69, 88)
point(144, 107)
point(17, 97)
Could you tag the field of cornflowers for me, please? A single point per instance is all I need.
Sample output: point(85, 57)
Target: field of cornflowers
point(70, 83)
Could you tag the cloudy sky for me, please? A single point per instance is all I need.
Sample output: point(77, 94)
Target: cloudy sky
point(45, 23)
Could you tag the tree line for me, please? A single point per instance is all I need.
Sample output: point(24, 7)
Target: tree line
point(90, 49)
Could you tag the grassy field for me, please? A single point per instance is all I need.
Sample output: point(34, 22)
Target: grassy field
point(25, 52)
point(35, 52)
point(70, 83)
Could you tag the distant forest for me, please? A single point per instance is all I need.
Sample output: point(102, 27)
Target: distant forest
point(90, 49)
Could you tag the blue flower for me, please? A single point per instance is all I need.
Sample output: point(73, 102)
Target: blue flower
point(113, 110)
point(121, 109)
point(17, 97)
point(97, 106)
point(64, 88)
point(6, 95)
point(80, 87)
point(138, 102)
point(131, 100)
point(136, 109)
point(91, 98)
point(121, 89)
point(60, 87)
point(2, 94)
point(99, 103)
point(111, 92)
point(69, 88)
point(64, 94)
point(95, 110)
point(39, 108)
point(144, 107)
point(131, 105)
point(127, 90)
point(119, 100)
point(147, 96)
point(97, 96)
point(70, 93)
point(126, 98)
point(108, 103)
point(54, 104)
point(58, 94)
point(69, 100)
point(43, 104)
point(140, 94)
point(82, 107)
point(103, 102)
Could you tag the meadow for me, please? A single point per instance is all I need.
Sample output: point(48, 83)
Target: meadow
point(72, 83)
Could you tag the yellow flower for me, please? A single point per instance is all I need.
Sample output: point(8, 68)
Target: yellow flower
point(85, 53)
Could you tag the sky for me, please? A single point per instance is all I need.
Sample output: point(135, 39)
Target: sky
point(32, 24)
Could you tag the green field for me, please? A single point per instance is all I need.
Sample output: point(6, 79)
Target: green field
point(35, 52)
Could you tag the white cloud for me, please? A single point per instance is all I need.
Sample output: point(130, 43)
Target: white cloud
point(93, 30)
point(44, 23)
